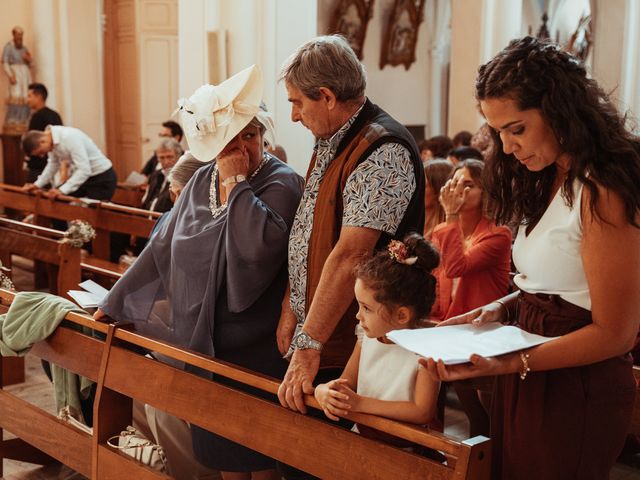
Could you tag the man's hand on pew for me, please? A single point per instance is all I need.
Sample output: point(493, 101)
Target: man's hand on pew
point(299, 379)
point(53, 193)
point(30, 187)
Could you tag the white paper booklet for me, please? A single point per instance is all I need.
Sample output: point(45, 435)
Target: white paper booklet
point(90, 296)
point(135, 179)
point(455, 344)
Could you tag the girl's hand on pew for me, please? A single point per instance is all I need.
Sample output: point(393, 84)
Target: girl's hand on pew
point(29, 187)
point(332, 401)
point(492, 312)
point(477, 366)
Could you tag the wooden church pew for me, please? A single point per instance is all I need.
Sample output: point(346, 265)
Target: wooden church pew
point(42, 437)
point(44, 245)
point(320, 448)
point(129, 195)
point(104, 217)
point(635, 419)
point(104, 270)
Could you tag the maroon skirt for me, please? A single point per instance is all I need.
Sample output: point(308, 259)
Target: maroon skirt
point(560, 424)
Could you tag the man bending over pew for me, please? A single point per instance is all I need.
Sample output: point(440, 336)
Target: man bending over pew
point(91, 175)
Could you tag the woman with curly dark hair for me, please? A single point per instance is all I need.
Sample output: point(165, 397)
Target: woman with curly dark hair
point(566, 172)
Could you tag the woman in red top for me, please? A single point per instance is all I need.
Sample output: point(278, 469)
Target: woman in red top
point(474, 266)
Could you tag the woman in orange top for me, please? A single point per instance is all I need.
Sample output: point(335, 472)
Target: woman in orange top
point(475, 263)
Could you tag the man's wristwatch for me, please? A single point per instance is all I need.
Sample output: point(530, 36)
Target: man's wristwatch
point(302, 341)
point(233, 179)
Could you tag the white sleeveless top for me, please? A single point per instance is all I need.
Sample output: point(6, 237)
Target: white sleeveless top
point(386, 371)
point(549, 259)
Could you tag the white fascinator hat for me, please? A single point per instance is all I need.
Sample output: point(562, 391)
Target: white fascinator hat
point(214, 114)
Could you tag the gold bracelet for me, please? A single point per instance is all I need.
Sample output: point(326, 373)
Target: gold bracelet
point(504, 305)
point(524, 358)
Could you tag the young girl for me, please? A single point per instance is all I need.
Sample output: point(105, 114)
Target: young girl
point(395, 290)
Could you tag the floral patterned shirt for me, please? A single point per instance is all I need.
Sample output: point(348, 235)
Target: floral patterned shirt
point(375, 196)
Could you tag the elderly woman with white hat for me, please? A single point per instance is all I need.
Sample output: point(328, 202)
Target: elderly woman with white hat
point(212, 278)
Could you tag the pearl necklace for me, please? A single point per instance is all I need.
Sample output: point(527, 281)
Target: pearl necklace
point(216, 209)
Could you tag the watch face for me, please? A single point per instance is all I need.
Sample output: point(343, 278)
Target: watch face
point(300, 340)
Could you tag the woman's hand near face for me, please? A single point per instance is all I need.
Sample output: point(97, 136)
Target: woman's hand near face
point(233, 162)
point(453, 195)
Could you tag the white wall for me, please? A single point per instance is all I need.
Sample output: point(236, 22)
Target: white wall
point(81, 69)
point(265, 32)
point(616, 54)
point(402, 93)
point(466, 52)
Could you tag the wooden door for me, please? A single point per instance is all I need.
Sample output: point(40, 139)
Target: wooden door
point(122, 85)
point(158, 26)
point(141, 70)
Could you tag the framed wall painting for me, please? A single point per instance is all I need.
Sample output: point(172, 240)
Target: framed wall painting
point(401, 34)
point(350, 19)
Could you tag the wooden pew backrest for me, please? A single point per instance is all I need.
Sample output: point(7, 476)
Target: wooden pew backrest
point(318, 447)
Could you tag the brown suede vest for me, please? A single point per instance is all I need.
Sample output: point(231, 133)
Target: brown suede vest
point(327, 218)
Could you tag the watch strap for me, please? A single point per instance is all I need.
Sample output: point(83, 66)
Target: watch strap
point(233, 179)
point(304, 341)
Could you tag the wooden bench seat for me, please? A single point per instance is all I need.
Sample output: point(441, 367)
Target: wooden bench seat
point(317, 447)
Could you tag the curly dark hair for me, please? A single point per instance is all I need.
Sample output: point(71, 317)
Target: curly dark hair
point(538, 74)
point(396, 284)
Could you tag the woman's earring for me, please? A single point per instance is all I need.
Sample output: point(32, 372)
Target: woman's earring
point(561, 140)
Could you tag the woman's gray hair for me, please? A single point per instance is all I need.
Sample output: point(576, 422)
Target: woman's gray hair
point(328, 62)
point(184, 169)
point(169, 144)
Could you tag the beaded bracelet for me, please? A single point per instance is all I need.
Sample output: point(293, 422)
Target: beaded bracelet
point(524, 358)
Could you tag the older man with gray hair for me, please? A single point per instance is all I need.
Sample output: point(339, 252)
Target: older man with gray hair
point(157, 197)
point(364, 187)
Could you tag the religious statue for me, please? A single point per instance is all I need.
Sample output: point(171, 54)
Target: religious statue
point(16, 62)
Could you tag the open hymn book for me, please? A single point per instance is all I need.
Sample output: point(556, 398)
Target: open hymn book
point(456, 343)
point(91, 295)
